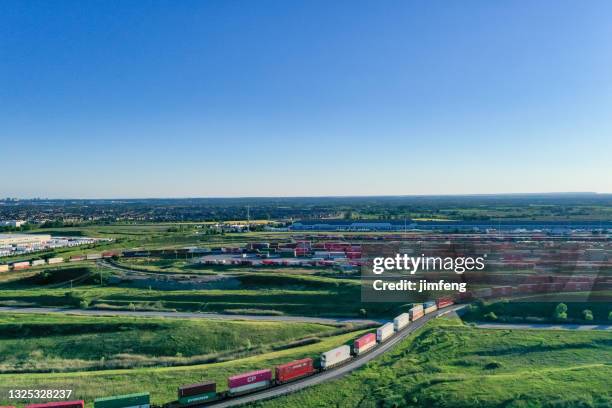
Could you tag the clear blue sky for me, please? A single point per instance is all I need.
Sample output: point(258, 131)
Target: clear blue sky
point(284, 98)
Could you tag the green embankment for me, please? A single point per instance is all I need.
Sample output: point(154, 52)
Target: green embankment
point(40, 343)
point(161, 382)
point(451, 365)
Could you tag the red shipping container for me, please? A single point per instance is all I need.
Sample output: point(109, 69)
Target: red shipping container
point(443, 302)
point(362, 343)
point(365, 339)
point(249, 378)
point(294, 370)
point(58, 404)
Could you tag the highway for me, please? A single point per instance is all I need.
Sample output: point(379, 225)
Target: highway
point(336, 372)
point(185, 315)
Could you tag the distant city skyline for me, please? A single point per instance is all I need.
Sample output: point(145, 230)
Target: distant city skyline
point(303, 99)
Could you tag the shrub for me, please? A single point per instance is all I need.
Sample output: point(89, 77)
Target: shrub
point(587, 315)
point(561, 312)
point(492, 365)
point(490, 316)
point(610, 316)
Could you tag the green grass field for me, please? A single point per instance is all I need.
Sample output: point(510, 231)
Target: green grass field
point(280, 293)
point(449, 364)
point(39, 343)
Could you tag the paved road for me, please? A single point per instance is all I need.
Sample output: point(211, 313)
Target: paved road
point(184, 315)
point(334, 373)
point(539, 326)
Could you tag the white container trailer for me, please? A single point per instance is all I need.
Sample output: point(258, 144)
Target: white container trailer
point(4, 268)
point(401, 321)
point(94, 256)
point(384, 332)
point(335, 356)
point(52, 261)
point(38, 262)
point(416, 312)
point(430, 307)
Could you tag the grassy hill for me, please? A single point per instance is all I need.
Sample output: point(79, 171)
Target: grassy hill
point(452, 365)
point(161, 382)
point(39, 343)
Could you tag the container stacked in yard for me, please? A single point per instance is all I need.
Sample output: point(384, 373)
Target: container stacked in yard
point(140, 400)
point(287, 252)
point(483, 293)
point(52, 261)
point(21, 265)
point(353, 255)
point(4, 268)
point(401, 321)
point(335, 356)
point(444, 301)
point(364, 343)
point(384, 332)
point(58, 404)
point(293, 370)
point(527, 287)
point(416, 312)
point(250, 381)
point(429, 307)
point(196, 393)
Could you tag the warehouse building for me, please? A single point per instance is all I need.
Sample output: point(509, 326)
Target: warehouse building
point(23, 239)
point(12, 223)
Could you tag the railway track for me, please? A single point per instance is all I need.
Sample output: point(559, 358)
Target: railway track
point(337, 372)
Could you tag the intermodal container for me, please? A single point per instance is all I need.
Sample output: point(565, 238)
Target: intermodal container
point(140, 400)
point(401, 321)
point(38, 262)
point(199, 398)
point(384, 332)
point(93, 256)
point(195, 389)
point(249, 381)
point(416, 312)
point(21, 265)
point(429, 307)
point(4, 268)
point(444, 302)
point(293, 370)
point(335, 356)
point(58, 404)
point(52, 261)
point(76, 258)
point(364, 343)
point(484, 292)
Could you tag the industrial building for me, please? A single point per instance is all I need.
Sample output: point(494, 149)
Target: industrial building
point(23, 239)
point(12, 223)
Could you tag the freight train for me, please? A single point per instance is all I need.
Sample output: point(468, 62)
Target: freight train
point(202, 393)
point(253, 381)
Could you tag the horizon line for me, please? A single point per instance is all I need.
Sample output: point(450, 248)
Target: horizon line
point(565, 193)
